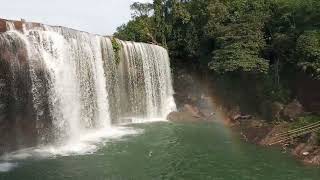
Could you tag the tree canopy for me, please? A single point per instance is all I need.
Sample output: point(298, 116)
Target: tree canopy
point(233, 36)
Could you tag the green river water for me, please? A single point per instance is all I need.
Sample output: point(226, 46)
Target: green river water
point(169, 151)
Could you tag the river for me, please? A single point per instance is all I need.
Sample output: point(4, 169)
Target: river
point(163, 150)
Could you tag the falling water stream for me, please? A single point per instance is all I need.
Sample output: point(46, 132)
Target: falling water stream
point(67, 84)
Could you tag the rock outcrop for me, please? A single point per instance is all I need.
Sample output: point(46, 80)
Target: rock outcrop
point(18, 25)
point(15, 113)
point(193, 100)
point(276, 110)
point(307, 148)
point(188, 113)
point(293, 110)
point(309, 154)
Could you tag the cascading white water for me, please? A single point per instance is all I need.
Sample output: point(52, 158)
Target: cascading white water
point(149, 78)
point(10, 26)
point(78, 82)
point(63, 91)
point(78, 96)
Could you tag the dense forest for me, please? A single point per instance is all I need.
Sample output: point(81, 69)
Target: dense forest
point(255, 50)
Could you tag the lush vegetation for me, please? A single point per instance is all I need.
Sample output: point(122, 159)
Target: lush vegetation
point(254, 48)
point(116, 49)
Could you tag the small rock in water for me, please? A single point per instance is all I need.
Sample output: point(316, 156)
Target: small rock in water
point(305, 153)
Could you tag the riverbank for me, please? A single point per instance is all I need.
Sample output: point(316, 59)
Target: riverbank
point(262, 133)
point(198, 101)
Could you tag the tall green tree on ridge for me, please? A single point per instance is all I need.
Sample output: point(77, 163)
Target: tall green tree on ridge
point(240, 38)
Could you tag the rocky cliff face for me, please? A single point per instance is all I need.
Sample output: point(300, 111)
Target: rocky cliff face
point(18, 25)
point(14, 112)
point(18, 119)
point(308, 93)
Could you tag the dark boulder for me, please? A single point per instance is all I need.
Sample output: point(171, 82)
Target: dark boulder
point(276, 110)
point(188, 113)
point(271, 110)
point(313, 139)
point(183, 117)
point(293, 110)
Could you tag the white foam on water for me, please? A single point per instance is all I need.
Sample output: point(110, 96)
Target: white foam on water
point(6, 166)
point(89, 143)
point(136, 120)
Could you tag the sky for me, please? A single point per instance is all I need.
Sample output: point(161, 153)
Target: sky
point(94, 16)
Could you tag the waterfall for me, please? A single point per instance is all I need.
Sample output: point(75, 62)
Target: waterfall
point(10, 26)
point(66, 82)
point(149, 88)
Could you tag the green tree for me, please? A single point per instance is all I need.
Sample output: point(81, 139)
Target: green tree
point(141, 27)
point(308, 50)
point(141, 9)
point(240, 38)
point(159, 21)
point(140, 30)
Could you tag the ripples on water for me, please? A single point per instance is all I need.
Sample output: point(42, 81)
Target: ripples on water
point(167, 151)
